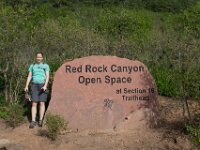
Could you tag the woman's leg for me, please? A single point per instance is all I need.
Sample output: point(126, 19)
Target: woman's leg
point(42, 110)
point(34, 111)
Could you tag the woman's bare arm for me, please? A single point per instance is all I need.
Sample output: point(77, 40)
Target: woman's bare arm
point(28, 81)
point(47, 80)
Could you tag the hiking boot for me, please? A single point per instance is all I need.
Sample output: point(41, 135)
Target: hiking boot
point(40, 123)
point(32, 124)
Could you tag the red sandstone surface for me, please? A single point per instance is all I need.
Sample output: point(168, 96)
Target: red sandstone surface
point(84, 95)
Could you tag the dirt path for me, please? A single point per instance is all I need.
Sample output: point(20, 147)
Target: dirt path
point(168, 136)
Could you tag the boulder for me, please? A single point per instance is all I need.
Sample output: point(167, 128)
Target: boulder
point(100, 92)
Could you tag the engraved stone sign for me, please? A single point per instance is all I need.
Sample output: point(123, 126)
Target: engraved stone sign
point(101, 92)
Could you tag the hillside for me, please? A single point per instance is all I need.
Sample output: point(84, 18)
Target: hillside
point(164, 35)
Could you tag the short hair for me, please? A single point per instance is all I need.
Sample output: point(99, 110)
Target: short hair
point(39, 53)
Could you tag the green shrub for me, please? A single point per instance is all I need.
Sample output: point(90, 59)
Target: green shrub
point(164, 78)
point(4, 114)
point(55, 124)
point(168, 6)
point(14, 115)
point(3, 108)
point(193, 129)
point(191, 21)
point(120, 24)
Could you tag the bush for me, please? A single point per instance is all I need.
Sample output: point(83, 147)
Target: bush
point(193, 129)
point(120, 24)
point(168, 6)
point(191, 21)
point(13, 114)
point(55, 124)
point(164, 78)
point(4, 112)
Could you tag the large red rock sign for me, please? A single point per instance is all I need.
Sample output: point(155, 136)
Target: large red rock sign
point(101, 92)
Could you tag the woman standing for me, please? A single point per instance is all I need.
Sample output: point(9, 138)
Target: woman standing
point(39, 77)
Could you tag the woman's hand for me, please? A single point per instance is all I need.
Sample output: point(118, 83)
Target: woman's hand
point(44, 88)
point(26, 89)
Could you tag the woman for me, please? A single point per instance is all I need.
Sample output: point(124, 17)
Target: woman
point(39, 76)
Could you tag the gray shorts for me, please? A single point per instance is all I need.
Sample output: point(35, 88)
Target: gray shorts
point(37, 94)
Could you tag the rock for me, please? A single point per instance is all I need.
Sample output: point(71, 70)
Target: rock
point(4, 143)
point(100, 92)
point(17, 147)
